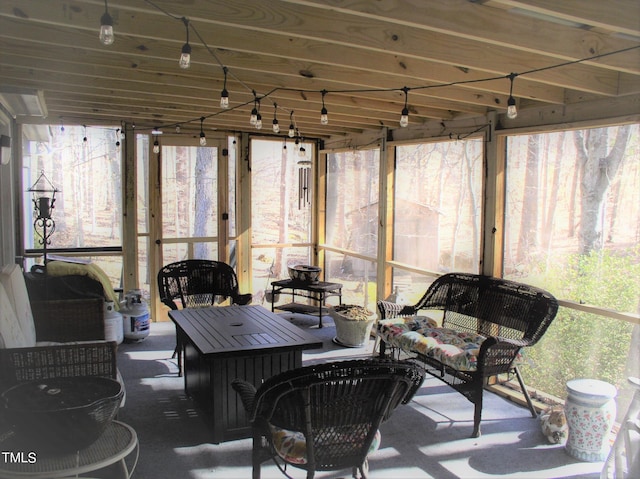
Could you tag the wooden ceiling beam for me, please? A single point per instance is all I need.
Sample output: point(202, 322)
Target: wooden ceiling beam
point(478, 22)
point(256, 18)
point(588, 12)
point(68, 59)
point(129, 52)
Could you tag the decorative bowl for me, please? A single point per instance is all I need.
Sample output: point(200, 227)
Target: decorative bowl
point(61, 415)
point(305, 273)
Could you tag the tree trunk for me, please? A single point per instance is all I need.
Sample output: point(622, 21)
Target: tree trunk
point(529, 222)
point(554, 191)
point(283, 204)
point(203, 196)
point(598, 169)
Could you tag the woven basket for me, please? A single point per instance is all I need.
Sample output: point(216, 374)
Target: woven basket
point(61, 415)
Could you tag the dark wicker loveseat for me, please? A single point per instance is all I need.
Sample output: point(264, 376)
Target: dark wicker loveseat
point(483, 325)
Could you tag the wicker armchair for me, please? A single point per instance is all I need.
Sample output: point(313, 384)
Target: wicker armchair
point(326, 417)
point(195, 283)
point(484, 324)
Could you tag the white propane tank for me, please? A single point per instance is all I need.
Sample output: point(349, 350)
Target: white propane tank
point(113, 329)
point(135, 316)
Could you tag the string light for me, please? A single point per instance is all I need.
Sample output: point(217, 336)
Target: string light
point(224, 95)
point(178, 129)
point(404, 116)
point(185, 56)
point(301, 150)
point(276, 126)
point(324, 115)
point(106, 27)
point(292, 128)
point(156, 145)
point(84, 139)
point(512, 111)
point(258, 118)
point(404, 120)
point(254, 112)
point(203, 137)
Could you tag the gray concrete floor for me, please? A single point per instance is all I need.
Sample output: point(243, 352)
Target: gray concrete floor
point(428, 438)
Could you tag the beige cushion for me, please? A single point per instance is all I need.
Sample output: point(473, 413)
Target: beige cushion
point(10, 332)
point(12, 280)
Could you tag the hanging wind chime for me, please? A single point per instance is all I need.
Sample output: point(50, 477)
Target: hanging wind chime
point(304, 170)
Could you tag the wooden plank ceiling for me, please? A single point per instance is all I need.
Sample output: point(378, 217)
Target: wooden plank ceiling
point(454, 56)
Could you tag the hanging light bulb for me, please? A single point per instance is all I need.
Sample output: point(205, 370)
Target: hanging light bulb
point(275, 124)
point(224, 95)
point(324, 114)
point(185, 56)
point(404, 116)
point(256, 117)
point(178, 129)
point(156, 145)
point(203, 137)
point(292, 128)
point(302, 151)
point(254, 112)
point(106, 27)
point(512, 111)
point(284, 146)
point(84, 139)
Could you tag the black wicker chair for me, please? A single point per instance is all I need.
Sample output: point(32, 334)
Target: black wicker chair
point(333, 408)
point(503, 316)
point(196, 283)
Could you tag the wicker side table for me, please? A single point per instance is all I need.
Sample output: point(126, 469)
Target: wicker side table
point(115, 444)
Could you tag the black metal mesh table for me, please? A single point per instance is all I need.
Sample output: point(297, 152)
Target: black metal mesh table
point(318, 291)
point(115, 444)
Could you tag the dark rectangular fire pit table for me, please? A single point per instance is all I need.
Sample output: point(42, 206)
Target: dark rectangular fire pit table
point(227, 342)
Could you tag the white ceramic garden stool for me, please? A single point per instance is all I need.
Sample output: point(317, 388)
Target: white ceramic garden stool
point(590, 409)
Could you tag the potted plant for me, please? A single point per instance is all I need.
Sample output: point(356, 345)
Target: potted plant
point(353, 324)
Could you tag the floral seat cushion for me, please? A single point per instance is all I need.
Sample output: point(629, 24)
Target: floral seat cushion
point(419, 334)
point(291, 445)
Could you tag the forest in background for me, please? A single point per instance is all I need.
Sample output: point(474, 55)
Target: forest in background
point(573, 222)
